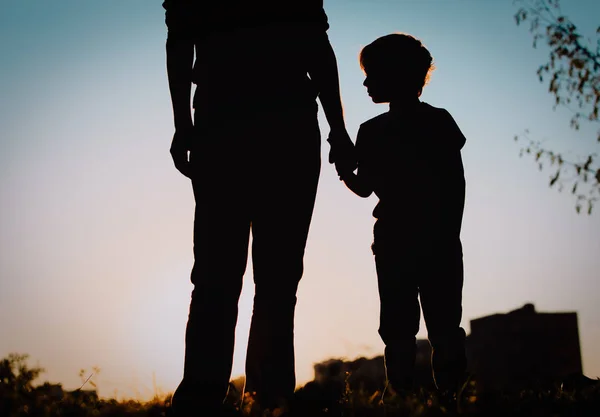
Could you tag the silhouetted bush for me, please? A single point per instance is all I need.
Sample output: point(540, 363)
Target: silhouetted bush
point(574, 397)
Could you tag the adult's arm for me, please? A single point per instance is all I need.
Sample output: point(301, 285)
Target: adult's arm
point(180, 60)
point(323, 70)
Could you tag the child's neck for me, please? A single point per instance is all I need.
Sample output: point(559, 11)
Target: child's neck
point(404, 105)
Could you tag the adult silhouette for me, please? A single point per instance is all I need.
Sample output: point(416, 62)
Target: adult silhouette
point(252, 152)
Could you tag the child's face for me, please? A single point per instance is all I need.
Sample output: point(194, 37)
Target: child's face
point(385, 85)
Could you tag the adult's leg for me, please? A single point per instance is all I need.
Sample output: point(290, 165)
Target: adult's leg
point(399, 306)
point(221, 237)
point(283, 198)
point(440, 288)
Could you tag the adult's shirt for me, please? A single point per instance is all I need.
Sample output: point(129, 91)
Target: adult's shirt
point(251, 56)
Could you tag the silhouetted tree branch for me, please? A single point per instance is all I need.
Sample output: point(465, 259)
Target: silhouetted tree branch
point(573, 76)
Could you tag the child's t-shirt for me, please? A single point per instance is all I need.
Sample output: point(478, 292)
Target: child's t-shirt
point(412, 162)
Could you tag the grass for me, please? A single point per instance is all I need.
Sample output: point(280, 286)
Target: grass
point(20, 397)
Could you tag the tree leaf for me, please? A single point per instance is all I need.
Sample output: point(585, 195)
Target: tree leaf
point(587, 164)
point(555, 178)
point(572, 76)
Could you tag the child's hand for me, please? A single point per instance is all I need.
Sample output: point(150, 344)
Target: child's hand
point(356, 184)
point(344, 170)
point(346, 165)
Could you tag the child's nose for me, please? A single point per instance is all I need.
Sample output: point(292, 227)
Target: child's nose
point(365, 82)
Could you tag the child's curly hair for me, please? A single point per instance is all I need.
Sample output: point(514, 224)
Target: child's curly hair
point(402, 53)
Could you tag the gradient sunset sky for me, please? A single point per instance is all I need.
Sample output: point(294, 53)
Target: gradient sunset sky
point(96, 223)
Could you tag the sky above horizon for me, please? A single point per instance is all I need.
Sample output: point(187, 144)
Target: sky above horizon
point(96, 223)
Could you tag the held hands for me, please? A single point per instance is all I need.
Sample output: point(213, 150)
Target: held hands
point(180, 146)
point(342, 152)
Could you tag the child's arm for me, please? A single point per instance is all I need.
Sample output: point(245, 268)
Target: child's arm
point(357, 184)
point(447, 202)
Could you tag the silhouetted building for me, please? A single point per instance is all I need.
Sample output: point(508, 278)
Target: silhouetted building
point(370, 373)
point(523, 347)
point(511, 350)
point(49, 391)
point(83, 395)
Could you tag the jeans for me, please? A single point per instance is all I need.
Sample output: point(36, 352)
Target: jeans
point(254, 175)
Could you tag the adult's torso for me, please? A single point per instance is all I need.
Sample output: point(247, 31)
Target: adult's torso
point(253, 56)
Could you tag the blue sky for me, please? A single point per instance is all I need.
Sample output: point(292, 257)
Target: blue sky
point(96, 224)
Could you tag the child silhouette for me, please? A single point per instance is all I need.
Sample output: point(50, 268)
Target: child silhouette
point(410, 158)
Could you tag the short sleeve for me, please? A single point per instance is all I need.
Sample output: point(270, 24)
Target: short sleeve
point(320, 17)
point(180, 18)
point(452, 135)
point(309, 12)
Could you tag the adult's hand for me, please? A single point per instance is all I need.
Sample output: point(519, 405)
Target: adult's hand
point(180, 147)
point(342, 152)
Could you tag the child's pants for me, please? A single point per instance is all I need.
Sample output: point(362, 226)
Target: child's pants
point(407, 271)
